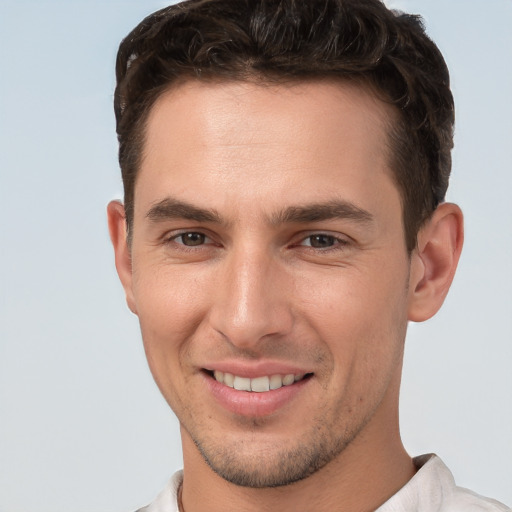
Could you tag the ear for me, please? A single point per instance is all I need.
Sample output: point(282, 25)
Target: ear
point(118, 236)
point(434, 261)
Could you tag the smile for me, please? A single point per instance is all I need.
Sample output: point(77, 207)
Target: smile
point(252, 392)
point(257, 384)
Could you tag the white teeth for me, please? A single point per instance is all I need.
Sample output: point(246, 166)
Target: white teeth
point(242, 384)
point(258, 384)
point(229, 379)
point(288, 379)
point(276, 381)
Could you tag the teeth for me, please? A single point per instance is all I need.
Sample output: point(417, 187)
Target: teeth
point(242, 384)
point(276, 381)
point(229, 379)
point(258, 384)
point(288, 379)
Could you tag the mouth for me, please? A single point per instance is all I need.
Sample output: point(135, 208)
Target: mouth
point(261, 384)
point(258, 391)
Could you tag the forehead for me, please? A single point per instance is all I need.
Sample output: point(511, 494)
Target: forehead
point(215, 111)
point(264, 142)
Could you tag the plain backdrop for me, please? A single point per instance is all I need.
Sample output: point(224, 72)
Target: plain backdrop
point(82, 425)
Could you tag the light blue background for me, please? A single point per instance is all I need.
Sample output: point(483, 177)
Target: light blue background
point(82, 425)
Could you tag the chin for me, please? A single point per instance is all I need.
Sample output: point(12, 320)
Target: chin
point(250, 463)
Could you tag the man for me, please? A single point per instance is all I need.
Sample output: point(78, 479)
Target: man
point(285, 166)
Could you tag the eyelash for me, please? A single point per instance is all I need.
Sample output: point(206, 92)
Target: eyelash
point(338, 243)
point(173, 240)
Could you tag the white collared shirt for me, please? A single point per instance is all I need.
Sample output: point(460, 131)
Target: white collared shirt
point(431, 489)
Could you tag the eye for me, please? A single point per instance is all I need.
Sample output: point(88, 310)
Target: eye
point(190, 238)
point(322, 241)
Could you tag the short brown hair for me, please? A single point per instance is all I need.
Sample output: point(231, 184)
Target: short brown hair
point(283, 40)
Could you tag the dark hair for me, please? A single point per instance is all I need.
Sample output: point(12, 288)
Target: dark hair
point(290, 40)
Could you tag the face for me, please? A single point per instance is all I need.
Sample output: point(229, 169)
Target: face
point(269, 273)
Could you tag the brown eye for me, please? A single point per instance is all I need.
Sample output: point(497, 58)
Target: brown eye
point(320, 241)
point(191, 239)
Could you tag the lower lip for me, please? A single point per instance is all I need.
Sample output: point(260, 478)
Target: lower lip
point(252, 404)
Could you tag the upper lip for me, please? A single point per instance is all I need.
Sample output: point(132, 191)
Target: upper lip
point(252, 370)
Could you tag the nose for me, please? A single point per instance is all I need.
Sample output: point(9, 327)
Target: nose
point(251, 302)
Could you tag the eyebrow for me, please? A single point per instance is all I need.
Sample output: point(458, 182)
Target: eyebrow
point(171, 208)
point(317, 212)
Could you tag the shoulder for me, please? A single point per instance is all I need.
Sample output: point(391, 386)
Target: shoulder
point(457, 498)
point(469, 501)
point(166, 501)
point(453, 498)
point(433, 489)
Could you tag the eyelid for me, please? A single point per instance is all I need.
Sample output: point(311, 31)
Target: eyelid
point(340, 239)
point(180, 235)
point(173, 236)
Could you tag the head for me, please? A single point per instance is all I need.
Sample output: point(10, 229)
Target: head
point(289, 41)
point(283, 166)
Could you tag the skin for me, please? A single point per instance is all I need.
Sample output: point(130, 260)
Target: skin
point(265, 286)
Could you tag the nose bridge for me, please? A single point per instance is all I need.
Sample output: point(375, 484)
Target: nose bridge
point(251, 302)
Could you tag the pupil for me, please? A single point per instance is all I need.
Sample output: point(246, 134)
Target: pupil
point(192, 238)
point(321, 241)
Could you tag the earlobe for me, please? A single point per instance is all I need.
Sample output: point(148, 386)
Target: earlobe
point(118, 236)
point(434, 261)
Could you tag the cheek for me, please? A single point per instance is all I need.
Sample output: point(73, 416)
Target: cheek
point(361, 317)
point(167, 298)
point(355, 297)
point(170, 304)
